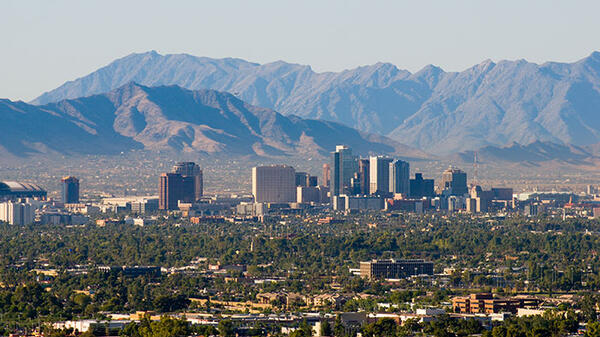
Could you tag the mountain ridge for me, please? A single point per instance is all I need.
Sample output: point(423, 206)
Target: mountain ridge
point(488, 104)
point(171, 118)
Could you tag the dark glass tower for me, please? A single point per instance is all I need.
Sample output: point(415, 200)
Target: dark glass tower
point(70, 190)
point(184, 183)
point(194, 183)
point(455, 180)
point(400, 177)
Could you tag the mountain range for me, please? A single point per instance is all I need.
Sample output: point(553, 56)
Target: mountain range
point(489, 104)
point(170, 118)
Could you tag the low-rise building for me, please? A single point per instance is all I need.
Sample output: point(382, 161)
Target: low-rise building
point(395, 269)
point(268, 298)
point(486, 303)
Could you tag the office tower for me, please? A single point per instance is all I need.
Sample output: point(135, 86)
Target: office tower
point(170, 191)
point(455, 180)
point(302, 179)
point(313, 181)
point(143, 205)
point(184, 183)
point(17, 213)
point(344, 165)
point(420, 187)
point(70, 190)
point(326, 175)
point(400, 177)
point(307, 194)
point(591, 189)
point(481, 200)
point(275, 184)
point(193, 183)
point(379, 170)
point(364, 176)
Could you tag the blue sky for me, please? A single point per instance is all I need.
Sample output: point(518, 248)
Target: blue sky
point(45, 43)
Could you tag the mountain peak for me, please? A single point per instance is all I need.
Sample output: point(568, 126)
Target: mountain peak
point(593, 59)
point(486, 64)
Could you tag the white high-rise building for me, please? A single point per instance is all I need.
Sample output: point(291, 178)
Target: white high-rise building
point(379, 171)
point(17, 213)
point(275, 183)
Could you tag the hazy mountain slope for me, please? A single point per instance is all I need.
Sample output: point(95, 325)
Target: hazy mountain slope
point(535, 152)
point(440, 112)
point(27, 129)
point(174, 119)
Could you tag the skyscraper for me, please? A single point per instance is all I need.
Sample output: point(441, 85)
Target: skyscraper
point(420, 187)
point(170, 191)
point(326, 175)
point(70, 190)
point(184, 183)
point(193, 180)
point(302, 179)
point(400, 177)
point(275, 183)
point(455, 180)
point(364, 176)
point(17, 213)
point(344, 165)
point(380, 175)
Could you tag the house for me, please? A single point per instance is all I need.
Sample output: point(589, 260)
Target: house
point(268, 298)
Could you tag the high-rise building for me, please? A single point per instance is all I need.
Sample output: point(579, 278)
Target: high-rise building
point(313, 181)
point(193, 180)
point(344, 166)
point(326, 175)
point(170, 191)
point(455, 181)
point(591, 189)
point(17, 213)
point(379, 170)
point(184, 183)
point(302, 179)
point(275, 184)
point(400, 177)
point(306, 194)
point(420, 187)
point(364, 176)
point(481, 200)
point(70, 190)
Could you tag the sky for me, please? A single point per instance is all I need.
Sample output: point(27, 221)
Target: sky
point(46, 43)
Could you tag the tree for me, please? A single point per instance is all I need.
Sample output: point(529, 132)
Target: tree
point(304, 330)
point(338, 327)
point(81, 300)
point(326, 328)
point(382, 328)
point(166, 327)
point(225, 328)
point(593, 329)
